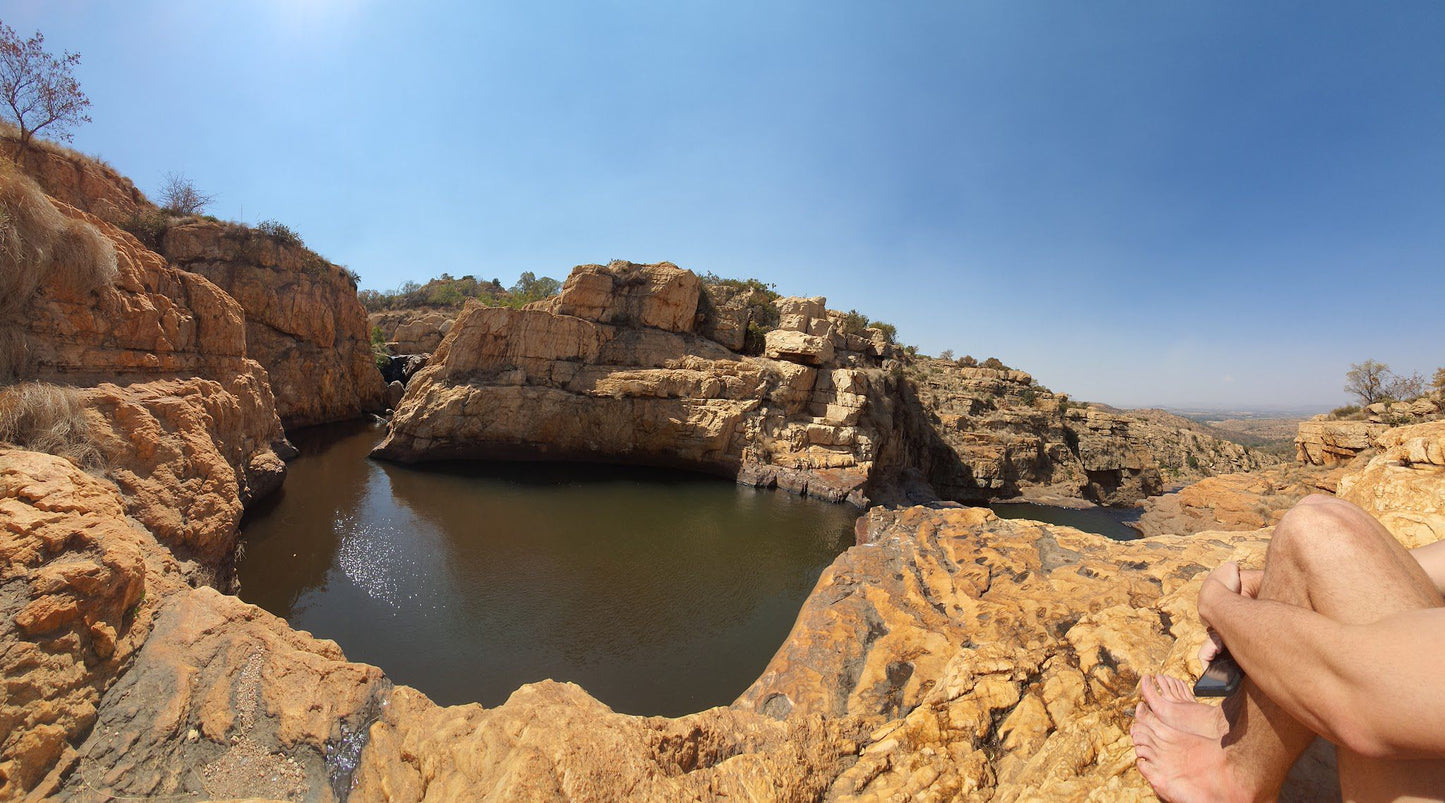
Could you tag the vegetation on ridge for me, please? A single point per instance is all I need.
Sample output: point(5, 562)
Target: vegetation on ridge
point(446, 291)
point(39, 90)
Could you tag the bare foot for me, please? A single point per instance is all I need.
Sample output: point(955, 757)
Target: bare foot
point(1182, 767)
point(1172, 699)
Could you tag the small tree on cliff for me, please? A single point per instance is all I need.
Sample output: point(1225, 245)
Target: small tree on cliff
point(38, 90)
point(1438, 381)
point(179, 196)
point(1366, 380)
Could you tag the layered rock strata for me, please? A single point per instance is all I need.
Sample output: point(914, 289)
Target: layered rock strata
point(633, 363)
point(184, 419)
point(304, 322)
point(1328, 443)
point(1402, 486)
point(1236, 501)
point(147, 366)
point(1004, 435)
point(612, 369)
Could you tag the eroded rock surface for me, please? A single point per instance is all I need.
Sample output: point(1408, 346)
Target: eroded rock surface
point(74, 575)
point(304, 322)
point(413, 331)
point(1236, 501)
point(610, 369)
point(1404, 485)
point(1005, 436)
point(1327, 443)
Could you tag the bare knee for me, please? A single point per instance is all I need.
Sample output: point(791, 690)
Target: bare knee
point(1321, 531)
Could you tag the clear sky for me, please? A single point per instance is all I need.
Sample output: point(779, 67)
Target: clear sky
point(1187, 204)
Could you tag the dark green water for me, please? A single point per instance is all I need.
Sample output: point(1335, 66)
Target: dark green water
point(658, 592)
point(1106, 521)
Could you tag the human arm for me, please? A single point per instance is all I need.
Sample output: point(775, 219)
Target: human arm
point(1431, 558)
point(1373, 688)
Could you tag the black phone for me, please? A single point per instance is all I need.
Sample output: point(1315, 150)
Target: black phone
point(1220, 679)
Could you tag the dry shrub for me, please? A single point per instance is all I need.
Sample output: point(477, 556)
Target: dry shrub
point(39, 245)
point(51, 419)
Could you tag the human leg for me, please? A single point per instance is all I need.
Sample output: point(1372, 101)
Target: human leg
point(1332, 557)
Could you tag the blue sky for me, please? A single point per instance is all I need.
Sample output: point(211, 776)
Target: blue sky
point(1187, 204)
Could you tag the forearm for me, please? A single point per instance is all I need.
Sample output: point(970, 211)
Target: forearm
point(1371, 688)
point(1277, 646)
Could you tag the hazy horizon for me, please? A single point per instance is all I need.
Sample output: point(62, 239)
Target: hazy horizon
point(1218, 206)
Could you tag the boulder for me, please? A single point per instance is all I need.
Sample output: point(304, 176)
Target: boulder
point(793, 346)
point(413, 331)
point(1326, 443)
point(1404, 485)
point(660, 296)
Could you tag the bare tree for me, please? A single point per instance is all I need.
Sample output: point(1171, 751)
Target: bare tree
point(179, 196)
point(1367, 380)
point(1405, 388)
point(1438, 381)
point(38, 90)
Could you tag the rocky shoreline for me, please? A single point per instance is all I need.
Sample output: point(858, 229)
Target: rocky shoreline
point(949, 655)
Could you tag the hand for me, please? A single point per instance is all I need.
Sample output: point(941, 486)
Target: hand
point(1235, 581)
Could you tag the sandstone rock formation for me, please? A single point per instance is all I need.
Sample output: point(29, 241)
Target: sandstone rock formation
point(1236, 502)
point(186, 431)
point(1005, 435)
point(1404, 485)
point(304, 322)
point(83, 182)
point(619, 367)
point(950, 655)
point(612, 369)
point(413, 331)
point(1326, 443)
point(74, 575)
point(185, 420)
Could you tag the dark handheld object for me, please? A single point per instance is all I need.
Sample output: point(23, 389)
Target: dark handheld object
point(1220, 679)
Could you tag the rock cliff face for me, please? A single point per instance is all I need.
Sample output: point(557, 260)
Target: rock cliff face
point(612, 369)
point(625, 365)
point(185, 421)
point(304, 322)
point(1401, 486)
point(185, 430)
point(1003, 435)
point(81, 181)
point(413, 331)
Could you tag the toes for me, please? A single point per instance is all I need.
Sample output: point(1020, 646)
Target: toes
point(1146, 716)
point(1177, 689)
point(1150, 690)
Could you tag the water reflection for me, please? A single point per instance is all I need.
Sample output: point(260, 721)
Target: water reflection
point(1106, 521)
point(659, 592)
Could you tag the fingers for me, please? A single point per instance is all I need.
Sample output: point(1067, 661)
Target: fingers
point(1249, 582)
point(1211, 648)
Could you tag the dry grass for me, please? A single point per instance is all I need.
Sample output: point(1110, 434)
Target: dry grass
point(51, 419)
point(39, 245)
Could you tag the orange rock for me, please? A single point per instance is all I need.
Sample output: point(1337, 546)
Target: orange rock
point(304, 322)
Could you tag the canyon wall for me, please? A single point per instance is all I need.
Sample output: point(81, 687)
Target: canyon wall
point(637, 363)
point(304, 322)
point(613, 369)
